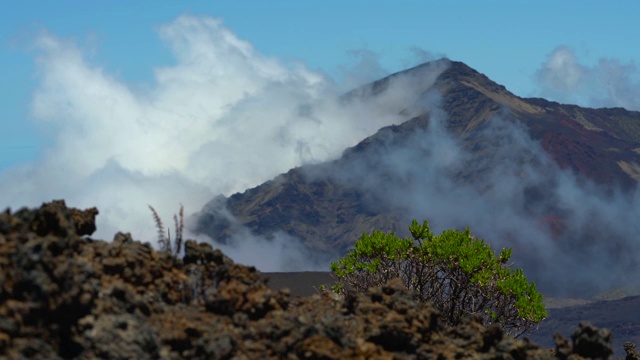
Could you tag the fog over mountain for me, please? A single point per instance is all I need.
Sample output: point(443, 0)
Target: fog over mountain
point(569, 234)
point(558, 184)
point(540, 177)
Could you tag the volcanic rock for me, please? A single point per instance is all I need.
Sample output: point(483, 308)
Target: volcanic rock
point(64, 295)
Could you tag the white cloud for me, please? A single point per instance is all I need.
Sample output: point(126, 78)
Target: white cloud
point(609, 83)
point(571, 236)
point(364, 68)
point(221, 119)
point(562, 72)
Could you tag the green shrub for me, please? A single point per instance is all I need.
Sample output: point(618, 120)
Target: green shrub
point(457, 272)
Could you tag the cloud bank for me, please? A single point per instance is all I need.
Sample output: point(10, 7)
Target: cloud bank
point(221, 119)
point(609, 83)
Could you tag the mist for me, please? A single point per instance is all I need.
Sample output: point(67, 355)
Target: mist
point(221, 119)
point(570, 235)
point(565, 78)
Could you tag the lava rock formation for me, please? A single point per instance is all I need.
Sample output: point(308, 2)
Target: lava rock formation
point(64, 295)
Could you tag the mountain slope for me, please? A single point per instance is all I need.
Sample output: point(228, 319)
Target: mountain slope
point(473, 141)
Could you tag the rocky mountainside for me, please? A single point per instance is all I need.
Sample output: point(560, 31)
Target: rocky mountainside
point(475, 155)
point(64, 295)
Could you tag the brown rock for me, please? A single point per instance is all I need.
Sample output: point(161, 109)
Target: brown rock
point(64, 296)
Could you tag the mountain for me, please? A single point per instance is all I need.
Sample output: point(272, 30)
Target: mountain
point(526, 173)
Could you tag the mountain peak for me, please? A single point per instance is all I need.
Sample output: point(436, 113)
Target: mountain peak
point(461, 81)
point(502, 161)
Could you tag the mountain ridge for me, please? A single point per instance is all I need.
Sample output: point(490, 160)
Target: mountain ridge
point(327, 206)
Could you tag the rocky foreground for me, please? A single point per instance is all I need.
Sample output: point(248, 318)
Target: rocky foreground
point(65, 295)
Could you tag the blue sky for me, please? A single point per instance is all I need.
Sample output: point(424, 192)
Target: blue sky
point(507, 40)
point(111, 102)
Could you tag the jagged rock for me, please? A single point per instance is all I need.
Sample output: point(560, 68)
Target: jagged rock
point(590, 341)
point(632, 353)
point(65, 296)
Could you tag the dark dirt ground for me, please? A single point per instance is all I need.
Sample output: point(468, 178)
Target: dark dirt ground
point(621, 316)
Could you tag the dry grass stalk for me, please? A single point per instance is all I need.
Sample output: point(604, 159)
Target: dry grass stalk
point(165, 241)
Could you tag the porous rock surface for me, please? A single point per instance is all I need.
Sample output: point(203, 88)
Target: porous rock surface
point(65, 295)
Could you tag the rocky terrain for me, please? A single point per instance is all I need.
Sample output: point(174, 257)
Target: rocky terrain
point(619, 315)
point(64, 295)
